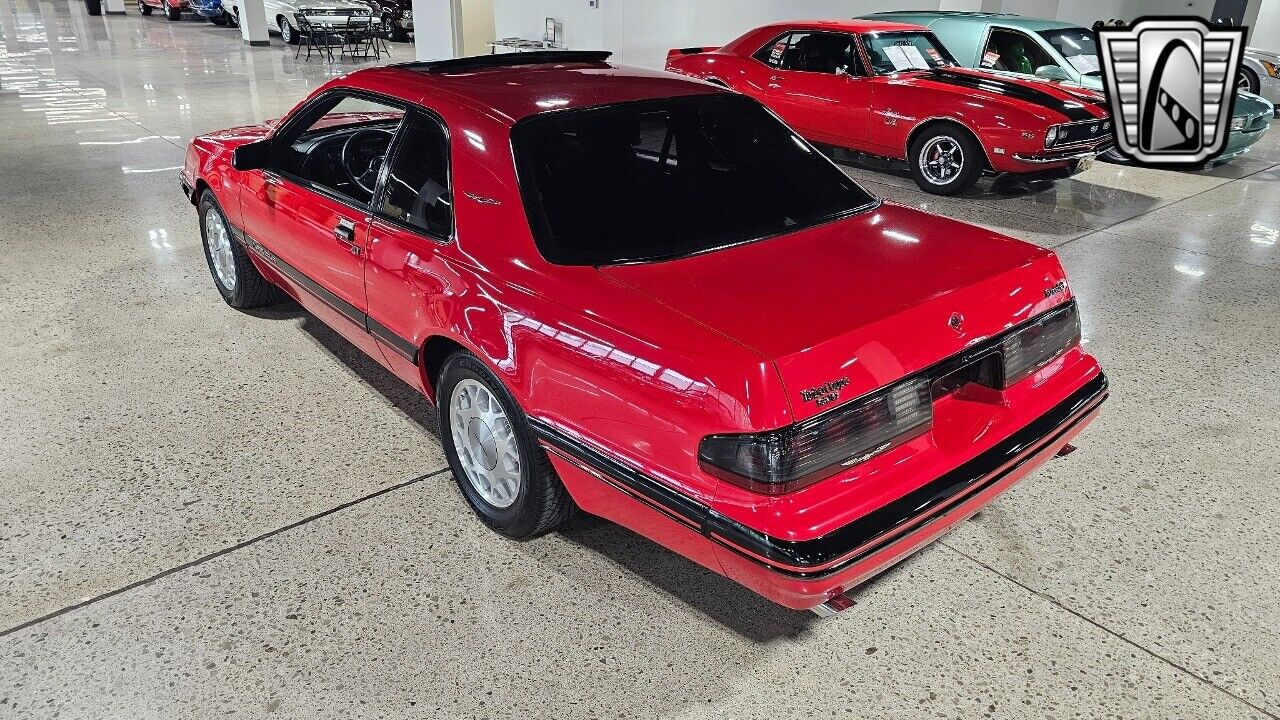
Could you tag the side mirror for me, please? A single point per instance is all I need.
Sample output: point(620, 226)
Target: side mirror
point(1052, 72)
point(251, 156)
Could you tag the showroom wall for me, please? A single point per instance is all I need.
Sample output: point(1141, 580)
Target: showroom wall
point(639, 32)
point(1266, 29)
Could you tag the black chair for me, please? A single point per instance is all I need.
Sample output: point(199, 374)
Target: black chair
point(320, 37)
point(359, 38)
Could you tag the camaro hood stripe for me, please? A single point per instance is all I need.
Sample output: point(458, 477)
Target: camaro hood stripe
point(868, 534)
point(1072, 109)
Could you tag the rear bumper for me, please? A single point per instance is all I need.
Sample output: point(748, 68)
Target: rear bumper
point(803, 574)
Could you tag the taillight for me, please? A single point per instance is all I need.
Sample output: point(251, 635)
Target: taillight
point(788, 459)
point(1039, 343)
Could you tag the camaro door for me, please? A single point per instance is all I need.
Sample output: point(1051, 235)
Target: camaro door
point(819, 87)
point(307, 213)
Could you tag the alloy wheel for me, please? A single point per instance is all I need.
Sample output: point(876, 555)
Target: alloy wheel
point(219, 242)
point(941, 160)
point(485, 442)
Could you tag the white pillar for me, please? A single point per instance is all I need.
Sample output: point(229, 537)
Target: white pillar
point(253, 22)
point(113, 7)
point(437, 29)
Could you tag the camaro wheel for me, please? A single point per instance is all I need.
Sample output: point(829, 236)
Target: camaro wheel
point(144, 8)
point(945, 160)
point(503, 473)
point(287, 33)
point(234, 274)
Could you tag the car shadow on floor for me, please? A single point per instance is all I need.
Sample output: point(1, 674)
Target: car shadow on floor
point(715, 596)
point(405, 398)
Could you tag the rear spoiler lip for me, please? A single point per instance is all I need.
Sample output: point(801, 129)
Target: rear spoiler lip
point(692, 50)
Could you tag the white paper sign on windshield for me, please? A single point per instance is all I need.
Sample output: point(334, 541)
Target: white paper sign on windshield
point(1084, 64)
point(906, 57)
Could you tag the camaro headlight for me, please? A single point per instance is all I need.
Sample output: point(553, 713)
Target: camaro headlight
point(1272, 69)
point(1051, 137)
point(1238, 123)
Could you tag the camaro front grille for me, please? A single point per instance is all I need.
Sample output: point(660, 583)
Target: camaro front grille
point(1082, 132)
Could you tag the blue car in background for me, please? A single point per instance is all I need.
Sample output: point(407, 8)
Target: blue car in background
point(213, 11)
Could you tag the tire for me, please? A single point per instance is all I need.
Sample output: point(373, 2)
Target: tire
point(541, 502)
point(233, 18)
point(945, 179)
point(286, 31)
point(219, 20)
point(172, 13)
point(1247, 79)
point(144, 8)
point(247, 288)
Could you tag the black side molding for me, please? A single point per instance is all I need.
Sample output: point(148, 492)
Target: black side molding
point(402, 347)
point(868, 534)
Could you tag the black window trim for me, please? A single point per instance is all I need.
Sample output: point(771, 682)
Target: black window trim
point(428, 115)
point(854, 38)
point(303, 114)
point(873, 203)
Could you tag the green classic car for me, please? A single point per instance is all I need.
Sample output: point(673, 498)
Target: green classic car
point(1056, 50)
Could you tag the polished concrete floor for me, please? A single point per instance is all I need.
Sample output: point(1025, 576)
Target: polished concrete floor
point(211, 513)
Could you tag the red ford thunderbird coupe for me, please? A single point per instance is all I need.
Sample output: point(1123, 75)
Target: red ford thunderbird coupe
point(646, 297)
point(892, 90)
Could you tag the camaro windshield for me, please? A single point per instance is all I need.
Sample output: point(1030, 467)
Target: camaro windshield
point(901, 51)
point(1077, 46)
point(658, 179)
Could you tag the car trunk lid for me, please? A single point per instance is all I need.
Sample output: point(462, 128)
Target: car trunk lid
point(853, 305)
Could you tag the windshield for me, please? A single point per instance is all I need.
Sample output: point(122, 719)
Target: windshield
point(896, 52)
point(1077, 46)
point(658, 179)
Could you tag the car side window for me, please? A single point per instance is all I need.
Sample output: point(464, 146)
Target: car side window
point(338, 145)
point(417, 190)
point(1014, 52)
point(772, 53)
point(821, 52)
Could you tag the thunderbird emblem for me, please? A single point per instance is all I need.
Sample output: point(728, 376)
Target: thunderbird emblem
point(1170, 86)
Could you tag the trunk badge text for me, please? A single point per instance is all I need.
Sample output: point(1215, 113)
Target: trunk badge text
point(1057, 289)
point(826, 393)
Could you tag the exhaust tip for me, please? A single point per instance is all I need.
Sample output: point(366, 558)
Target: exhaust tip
point(834, 606)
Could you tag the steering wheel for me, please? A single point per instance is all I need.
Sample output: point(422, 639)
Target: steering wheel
point(367, 178)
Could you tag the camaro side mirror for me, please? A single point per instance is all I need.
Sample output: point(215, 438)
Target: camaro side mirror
point(251, 156)
point(1052, 72)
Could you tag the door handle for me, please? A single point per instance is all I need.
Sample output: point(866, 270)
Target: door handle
point(345, 232)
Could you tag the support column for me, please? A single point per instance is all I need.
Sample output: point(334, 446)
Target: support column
point(113, 7)
point(437, 29)
point(253, 22)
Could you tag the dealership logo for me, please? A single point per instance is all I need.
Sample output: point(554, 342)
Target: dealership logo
point(1170, 85)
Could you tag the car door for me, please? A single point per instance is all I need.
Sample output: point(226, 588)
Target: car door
point(308, 212)
point(412, 219)
point(821, 89)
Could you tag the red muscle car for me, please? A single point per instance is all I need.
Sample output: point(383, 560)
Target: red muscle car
point(645, 297)
point(892, 90)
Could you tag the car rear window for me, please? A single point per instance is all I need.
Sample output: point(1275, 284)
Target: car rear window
point(660, 179)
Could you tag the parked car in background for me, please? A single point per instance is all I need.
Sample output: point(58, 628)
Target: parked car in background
point(280, 13)
point(1054, 50)
point(172, 9)
point(1260, 74)
point(649, 299)
point(212, 11)
point(892, 90)
point(397, 17)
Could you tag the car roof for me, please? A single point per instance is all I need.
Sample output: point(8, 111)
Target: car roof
point(1026, 23)
point(516, 90)
point(853, 25)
